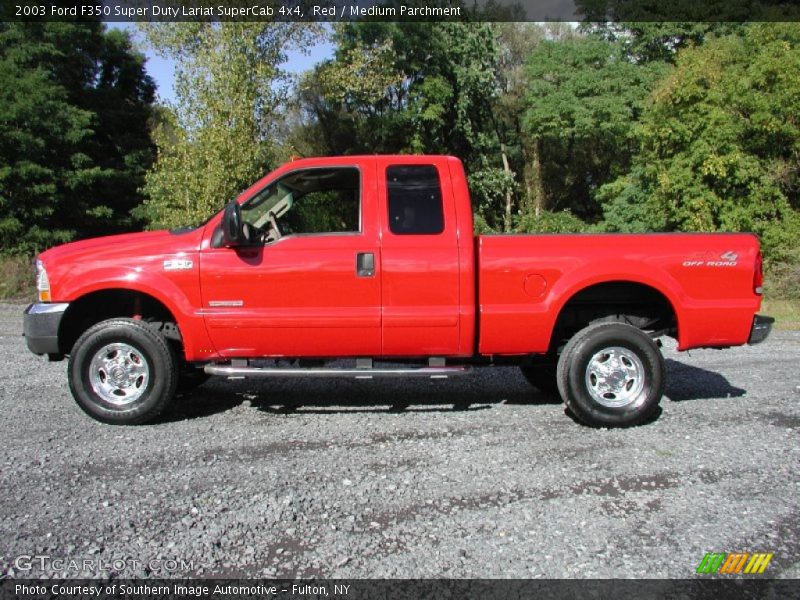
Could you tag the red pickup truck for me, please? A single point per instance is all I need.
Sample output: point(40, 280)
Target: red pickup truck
point(373, 259)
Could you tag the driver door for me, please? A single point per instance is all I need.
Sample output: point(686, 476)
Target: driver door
point(303, 286)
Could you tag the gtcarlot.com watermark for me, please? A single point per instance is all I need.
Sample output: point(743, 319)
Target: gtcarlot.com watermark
point(45, 562)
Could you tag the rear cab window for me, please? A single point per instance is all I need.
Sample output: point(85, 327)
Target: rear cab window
point(414, 195)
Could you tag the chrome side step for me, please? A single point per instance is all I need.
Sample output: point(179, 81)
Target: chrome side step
point(442, 372)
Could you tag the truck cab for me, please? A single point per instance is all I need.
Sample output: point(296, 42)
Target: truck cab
point(360, 256)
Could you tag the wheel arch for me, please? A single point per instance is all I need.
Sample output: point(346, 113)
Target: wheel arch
point(632, 297)
point(115, 302)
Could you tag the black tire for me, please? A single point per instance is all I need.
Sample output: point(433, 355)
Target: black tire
point(121, 371)
point(541, 374)
point(611, 375)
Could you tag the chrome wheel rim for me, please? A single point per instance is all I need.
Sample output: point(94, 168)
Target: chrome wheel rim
point(119, 374)
point(615, 377)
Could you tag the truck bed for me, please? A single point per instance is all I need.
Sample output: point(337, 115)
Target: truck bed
point(524, 282)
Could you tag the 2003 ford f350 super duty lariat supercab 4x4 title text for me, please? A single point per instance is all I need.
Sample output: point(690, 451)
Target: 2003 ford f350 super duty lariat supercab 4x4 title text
point(373, 258)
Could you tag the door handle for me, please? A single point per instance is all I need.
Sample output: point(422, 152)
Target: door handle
point(365, 264)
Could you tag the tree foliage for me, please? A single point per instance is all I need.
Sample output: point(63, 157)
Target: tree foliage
point(719, 143)
point(648, 41)
point(218, 137)
point(627, 126)
point(584, 97)
point(74, 145)
point(552, 222)
point(417, 88)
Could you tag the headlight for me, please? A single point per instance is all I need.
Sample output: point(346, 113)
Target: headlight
point(42, 283)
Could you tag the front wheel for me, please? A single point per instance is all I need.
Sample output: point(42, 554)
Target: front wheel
point(122, 372)
point(611, 375)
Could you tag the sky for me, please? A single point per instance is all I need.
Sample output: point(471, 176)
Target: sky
point(162, 70)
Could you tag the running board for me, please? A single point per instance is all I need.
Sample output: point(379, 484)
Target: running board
point(429, 372)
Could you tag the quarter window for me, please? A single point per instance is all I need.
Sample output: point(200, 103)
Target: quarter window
point(415, 200)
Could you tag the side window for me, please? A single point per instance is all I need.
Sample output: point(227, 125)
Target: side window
point(326, 200)
point(415, 200)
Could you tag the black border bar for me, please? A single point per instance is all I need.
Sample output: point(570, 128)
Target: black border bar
point(398, 589)
point(629, 11)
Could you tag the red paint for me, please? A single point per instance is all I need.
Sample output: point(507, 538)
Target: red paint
point(300, 295)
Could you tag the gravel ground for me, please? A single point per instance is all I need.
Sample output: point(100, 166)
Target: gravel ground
point(479, 477)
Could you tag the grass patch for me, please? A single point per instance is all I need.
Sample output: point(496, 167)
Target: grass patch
point(17, 278)
point(786, 312)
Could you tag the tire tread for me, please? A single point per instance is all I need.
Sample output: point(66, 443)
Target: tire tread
point(565, 364)
point(166, 360)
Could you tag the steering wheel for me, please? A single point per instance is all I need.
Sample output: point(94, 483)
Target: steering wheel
point(275, 229)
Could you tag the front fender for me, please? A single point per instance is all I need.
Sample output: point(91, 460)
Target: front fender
point(177, 291)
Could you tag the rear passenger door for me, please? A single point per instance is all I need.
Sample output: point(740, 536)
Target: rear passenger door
point(419, 258)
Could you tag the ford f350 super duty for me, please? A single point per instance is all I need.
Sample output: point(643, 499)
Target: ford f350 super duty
point(373, 259)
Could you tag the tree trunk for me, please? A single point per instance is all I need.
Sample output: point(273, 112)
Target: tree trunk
point(507, 225)
point(532, 175)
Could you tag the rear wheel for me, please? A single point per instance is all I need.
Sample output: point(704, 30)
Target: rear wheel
point(121, 371)
point(611, 375)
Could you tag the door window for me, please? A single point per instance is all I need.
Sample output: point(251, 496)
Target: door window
point(312, 201)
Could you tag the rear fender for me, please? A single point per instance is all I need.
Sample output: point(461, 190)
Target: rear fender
point(625, 272)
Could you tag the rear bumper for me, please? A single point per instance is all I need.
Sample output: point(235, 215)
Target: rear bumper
point(762, 325)
point(40, 327)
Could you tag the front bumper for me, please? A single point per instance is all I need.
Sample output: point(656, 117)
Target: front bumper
point(762, 325)
point(40, 327)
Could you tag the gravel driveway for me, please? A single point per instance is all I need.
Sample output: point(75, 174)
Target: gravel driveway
point(479, 477)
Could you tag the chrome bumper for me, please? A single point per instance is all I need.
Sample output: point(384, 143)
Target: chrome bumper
point(40, 327)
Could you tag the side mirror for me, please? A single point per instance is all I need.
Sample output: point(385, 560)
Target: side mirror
point(232, 232)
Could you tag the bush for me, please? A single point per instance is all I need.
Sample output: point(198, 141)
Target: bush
point(782, 281)
point(16, 278)
point(551, 222)
point(481, 227)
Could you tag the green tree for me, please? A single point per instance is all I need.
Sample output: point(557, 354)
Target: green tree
point(220, 135)
point(647, 41)
point(74, 145)
point(418, 88)
point(551, 222)
point(517, 41)
point(719, 143)
point(584, 96)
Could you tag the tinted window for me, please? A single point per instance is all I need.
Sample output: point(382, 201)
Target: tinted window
point(415, 200)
